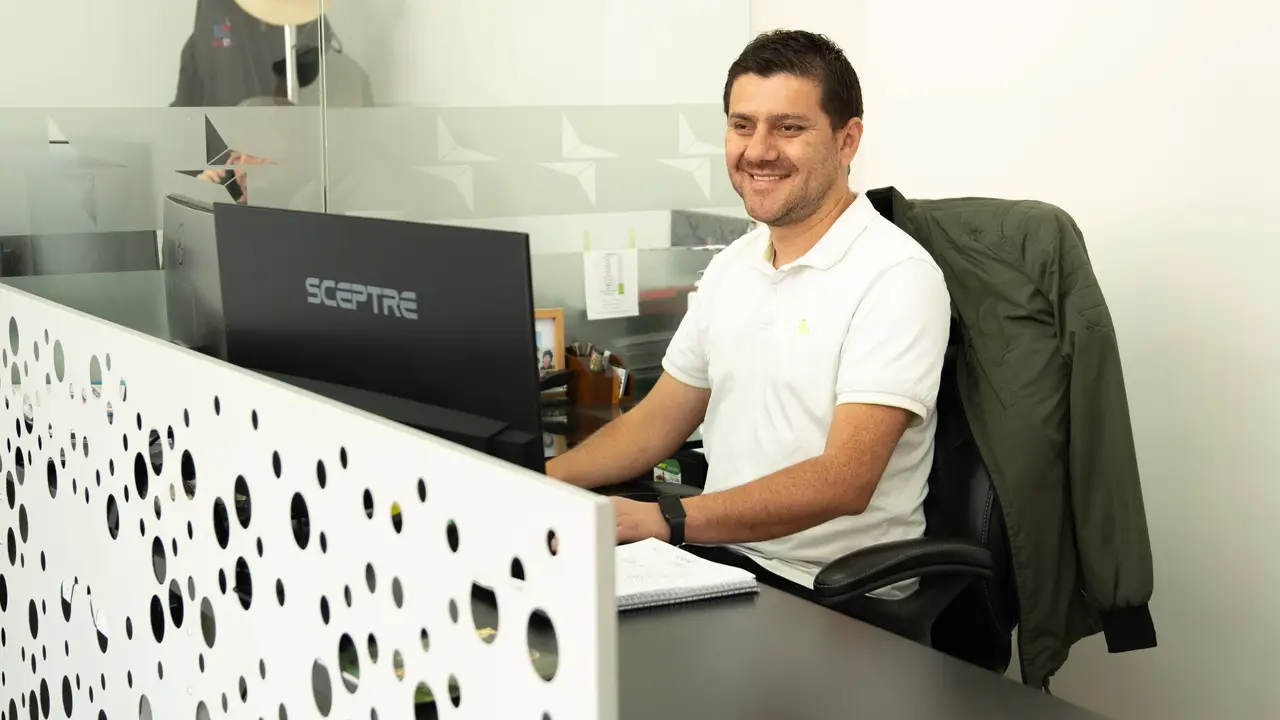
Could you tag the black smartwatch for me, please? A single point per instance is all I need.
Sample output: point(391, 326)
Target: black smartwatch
point(673, 512)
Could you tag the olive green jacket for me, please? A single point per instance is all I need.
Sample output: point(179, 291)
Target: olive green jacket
point(1043, 392)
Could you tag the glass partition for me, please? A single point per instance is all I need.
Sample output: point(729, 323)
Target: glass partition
point(109, 107)
point(557, 119)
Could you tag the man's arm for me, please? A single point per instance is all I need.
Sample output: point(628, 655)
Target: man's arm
point(838, 482)
point(637, 441)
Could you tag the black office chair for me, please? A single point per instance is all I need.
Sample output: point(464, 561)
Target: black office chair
point(966, 604)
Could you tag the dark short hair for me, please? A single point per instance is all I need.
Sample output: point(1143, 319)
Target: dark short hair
point(808, 55)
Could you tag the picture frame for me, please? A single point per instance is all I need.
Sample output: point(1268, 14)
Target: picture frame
point(548, 333)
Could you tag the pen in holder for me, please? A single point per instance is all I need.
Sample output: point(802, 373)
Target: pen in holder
point(606, 384)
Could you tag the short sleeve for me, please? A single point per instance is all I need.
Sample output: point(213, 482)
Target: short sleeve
point(897, 339)
point(686, 359)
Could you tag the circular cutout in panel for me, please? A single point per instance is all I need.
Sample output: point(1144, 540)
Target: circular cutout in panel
point(35, 349)
point(221, 523)
point(243, 502)
point(217, 406)
point(517, 569)
point(111, 415)
point(397, 518)
point(485, 613)
point(397, 592)
point(275, 463)
point(321, 688)
point(397, 664)
point(157, 618)
point(155, 448)
point(141, 477)
point(544, 647)
point(177, 606)
point(124, 390)
point(169, 434)
point(10, 489)
point(208, 623)
point(368, 504)
point(15, 340)
point(553, 542)
point(95, 376)
point(158, 562)
point(452, 535)
point(15, 377)
point(422, 490)
point(280, 592)
point(144, 709)
point(455, 692)
point(113, 517)
point(53, 478)
point(244, 583)
point(188, 474)
point(300, 520)
point(424, 701)
point(59, 362)
point(324, 609)
point(370, 577)
point(425, 638)
point(349, 663)
point(373, 649)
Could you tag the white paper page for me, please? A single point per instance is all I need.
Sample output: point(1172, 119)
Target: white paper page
point(612, 283)
point(653, 566)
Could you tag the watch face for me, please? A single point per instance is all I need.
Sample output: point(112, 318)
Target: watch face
point(671, 506)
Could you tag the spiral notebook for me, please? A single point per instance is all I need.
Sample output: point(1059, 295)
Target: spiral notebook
point(652, 572)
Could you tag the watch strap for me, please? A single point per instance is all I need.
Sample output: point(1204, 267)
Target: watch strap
point(673, 512)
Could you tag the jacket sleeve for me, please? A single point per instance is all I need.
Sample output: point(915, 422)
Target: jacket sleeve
point(1106, 495)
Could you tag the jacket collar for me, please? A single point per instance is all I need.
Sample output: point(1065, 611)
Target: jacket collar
point(834, 244)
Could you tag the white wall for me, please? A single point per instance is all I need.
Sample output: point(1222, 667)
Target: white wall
point(92, 53)
point(1152, 123)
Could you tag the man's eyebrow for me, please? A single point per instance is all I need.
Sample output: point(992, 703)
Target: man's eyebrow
point(773, 119)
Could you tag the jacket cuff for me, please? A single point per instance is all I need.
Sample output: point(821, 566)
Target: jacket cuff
point(1128, 628)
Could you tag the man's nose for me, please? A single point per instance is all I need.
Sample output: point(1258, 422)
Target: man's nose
point(761, 149)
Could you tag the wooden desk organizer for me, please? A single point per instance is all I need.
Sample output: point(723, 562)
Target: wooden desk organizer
point(596, 388)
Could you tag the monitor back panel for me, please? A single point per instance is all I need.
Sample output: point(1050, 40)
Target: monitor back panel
point(442, 315)
point(193, 291)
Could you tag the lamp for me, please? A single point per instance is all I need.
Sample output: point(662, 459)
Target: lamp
point(284, 12)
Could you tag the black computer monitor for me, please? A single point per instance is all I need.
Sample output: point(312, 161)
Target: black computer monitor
point(371, 311)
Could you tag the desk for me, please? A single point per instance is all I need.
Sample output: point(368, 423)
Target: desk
point(777, 656)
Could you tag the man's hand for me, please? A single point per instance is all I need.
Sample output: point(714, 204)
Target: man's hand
point(222, 177)
point(638, 521)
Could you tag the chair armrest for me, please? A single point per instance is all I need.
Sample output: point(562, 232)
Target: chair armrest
point(648, 490)
point(879, 566)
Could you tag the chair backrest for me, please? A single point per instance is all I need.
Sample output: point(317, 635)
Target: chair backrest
point(962, 503)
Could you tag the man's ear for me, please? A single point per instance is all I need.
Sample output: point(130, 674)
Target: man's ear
point(850, 137)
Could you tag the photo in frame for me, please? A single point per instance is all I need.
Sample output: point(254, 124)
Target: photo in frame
point(548, 328)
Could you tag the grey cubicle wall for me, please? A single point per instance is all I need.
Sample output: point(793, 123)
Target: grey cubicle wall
point(135, 300)
point(640, 341)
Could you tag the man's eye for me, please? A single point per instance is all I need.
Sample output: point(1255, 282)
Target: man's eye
point(790, 128)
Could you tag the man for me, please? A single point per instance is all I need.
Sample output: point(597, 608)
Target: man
point(812, 355)
point(234, 59)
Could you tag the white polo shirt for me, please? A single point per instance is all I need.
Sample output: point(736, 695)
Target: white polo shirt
point(863, 317)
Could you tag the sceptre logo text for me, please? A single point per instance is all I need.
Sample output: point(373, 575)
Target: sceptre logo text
point(366, 298)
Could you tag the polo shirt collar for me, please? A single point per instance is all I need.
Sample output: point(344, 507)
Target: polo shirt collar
point(834, 244)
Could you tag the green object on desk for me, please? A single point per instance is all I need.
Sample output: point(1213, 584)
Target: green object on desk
point(668, 471)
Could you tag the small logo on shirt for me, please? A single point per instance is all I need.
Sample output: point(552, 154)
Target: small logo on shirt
point(803, 328)
point(222, 34)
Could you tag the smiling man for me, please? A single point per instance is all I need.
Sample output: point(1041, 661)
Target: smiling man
point(813, 353)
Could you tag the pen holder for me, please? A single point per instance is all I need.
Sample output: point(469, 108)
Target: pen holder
point(596, 388)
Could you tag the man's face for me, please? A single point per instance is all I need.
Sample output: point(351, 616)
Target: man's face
point(784, 158)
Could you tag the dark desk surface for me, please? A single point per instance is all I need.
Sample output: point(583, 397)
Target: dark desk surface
point(777, 656)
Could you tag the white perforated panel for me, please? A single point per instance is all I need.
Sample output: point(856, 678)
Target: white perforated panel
point(184, 539)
